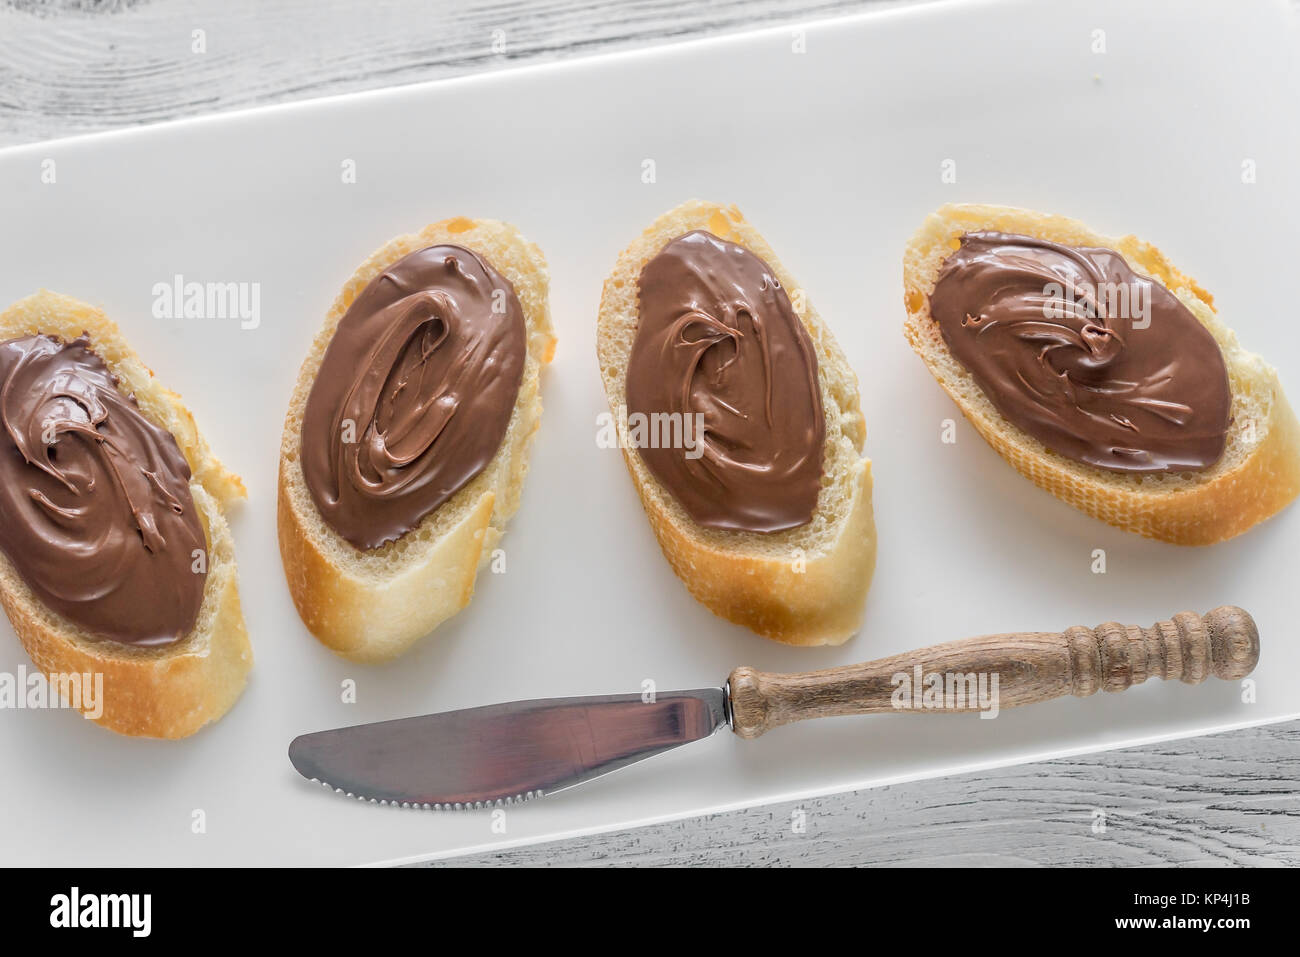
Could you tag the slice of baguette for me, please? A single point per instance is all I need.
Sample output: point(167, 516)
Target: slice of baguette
point(167, 692)
point(372, 605)
point(803, 586)
point(1259, 473)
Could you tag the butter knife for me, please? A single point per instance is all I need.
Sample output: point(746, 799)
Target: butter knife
point(503, 754)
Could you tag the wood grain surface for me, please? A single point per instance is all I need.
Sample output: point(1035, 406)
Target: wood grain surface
point(80, 66)
point(1222, 800)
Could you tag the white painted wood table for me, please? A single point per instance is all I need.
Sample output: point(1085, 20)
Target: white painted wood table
point(80, 66)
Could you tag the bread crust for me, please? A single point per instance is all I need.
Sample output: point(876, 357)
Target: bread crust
point(801, 587)
point(150, 692)
point(373, 605)
point(1245, 488)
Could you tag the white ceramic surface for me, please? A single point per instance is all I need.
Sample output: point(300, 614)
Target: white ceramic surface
point(835, 154)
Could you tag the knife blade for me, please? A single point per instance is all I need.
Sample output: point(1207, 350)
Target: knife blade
point(503, 753)
point(508, 753)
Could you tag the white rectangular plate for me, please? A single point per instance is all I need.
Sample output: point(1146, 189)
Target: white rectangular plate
point(835, 154)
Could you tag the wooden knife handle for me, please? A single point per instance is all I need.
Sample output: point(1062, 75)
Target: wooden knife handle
point(1030, 667)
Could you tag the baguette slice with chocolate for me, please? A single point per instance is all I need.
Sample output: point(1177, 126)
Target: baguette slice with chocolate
point(1100, 372)
point(405, 445)
point(761, 500)
point(117, 560)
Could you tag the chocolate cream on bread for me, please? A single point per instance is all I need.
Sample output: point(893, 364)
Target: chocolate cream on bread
point(414, 394)
point(719, 343)
point(1101, 365)
point(97, 515)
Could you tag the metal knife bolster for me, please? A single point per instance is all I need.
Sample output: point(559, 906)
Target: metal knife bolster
point(504, 753)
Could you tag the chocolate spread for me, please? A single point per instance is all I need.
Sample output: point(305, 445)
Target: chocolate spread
point(719, 340)
point(414, 394)
point(1098, 363)
point(96, 513)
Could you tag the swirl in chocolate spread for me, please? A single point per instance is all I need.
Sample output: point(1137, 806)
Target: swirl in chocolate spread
point(96, 514)
point(718, 339)
point(1098, 363)
point(414, 394)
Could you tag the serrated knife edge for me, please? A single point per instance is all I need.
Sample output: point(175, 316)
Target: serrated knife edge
point(468, 759)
